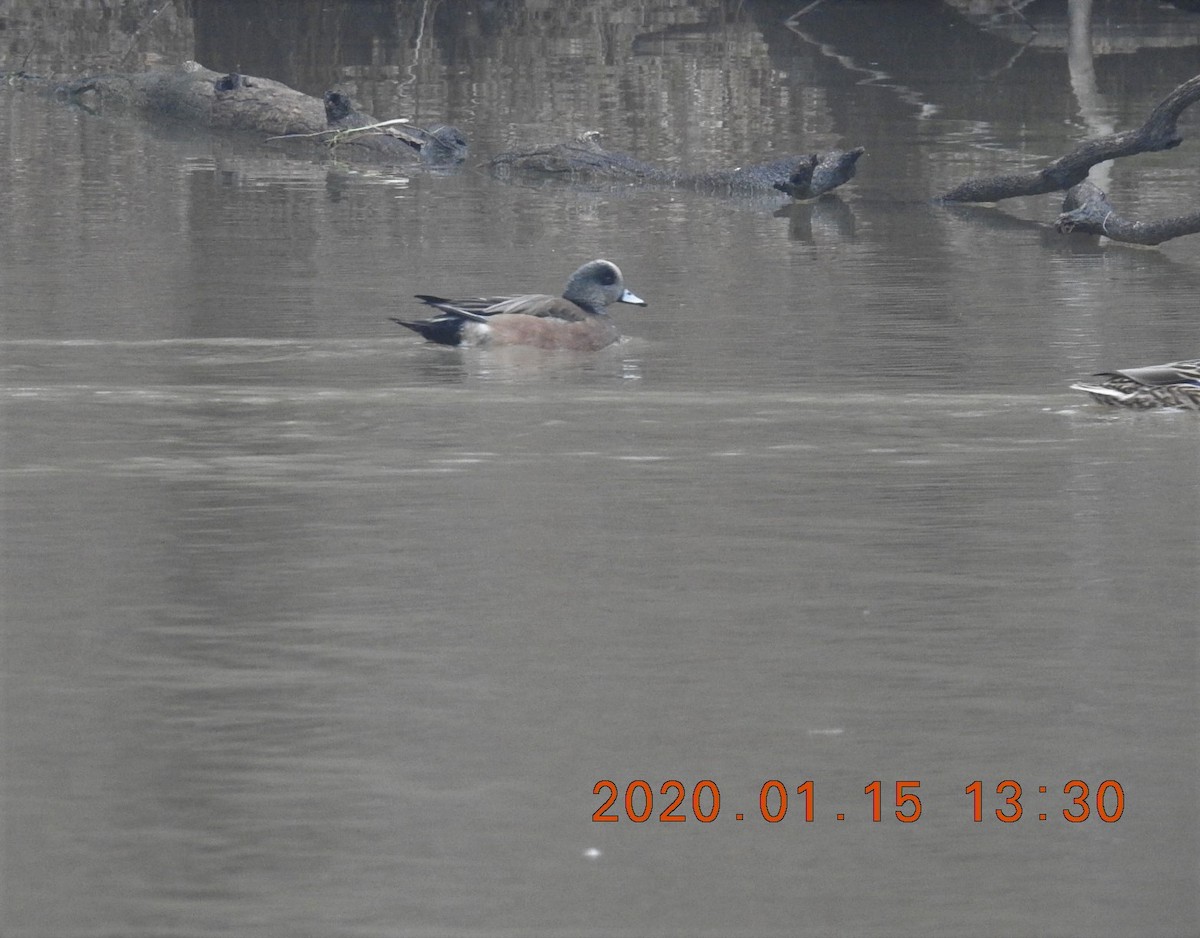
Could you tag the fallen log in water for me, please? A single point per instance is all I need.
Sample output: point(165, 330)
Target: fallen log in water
point(585, 160)
point(1084, 211)
point(196, 95)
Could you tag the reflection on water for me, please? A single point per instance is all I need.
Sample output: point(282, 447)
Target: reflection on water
point(312, 628)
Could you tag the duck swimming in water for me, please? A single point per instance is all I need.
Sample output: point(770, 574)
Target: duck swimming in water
point(1176, 384)
point(577, 320)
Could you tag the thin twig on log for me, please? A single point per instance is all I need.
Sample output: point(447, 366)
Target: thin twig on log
point(345, 132)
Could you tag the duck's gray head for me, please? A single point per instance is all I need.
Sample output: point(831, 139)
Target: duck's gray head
point(598, 283)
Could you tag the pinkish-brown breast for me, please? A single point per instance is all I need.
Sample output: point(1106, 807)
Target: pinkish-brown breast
point(594, 333)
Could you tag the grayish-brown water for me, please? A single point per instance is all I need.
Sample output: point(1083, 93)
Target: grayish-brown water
point(313, 629)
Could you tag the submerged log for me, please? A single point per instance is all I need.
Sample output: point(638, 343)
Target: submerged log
point(194, 94)
point(585, 160)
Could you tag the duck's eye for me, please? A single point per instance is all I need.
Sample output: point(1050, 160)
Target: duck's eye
point(608, 276)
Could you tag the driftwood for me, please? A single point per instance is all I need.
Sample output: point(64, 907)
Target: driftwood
point(196, 95)
point(585, 160)
point(1158, 133)
point(1086, 208)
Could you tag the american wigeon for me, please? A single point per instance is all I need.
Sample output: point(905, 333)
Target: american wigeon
point(576, 320)
point(1176, 384)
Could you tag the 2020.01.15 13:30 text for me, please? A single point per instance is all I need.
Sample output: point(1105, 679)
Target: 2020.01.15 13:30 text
point(1077, 802)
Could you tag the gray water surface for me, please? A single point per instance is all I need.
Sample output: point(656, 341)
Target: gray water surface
point(313, 629)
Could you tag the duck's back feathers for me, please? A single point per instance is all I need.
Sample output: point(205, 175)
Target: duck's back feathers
point(462, 309)
point(531, 304)
point(1175, 384)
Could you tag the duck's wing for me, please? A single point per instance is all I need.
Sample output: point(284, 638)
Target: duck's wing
point(530, 304)
point(1181, 372)
point(475, 310)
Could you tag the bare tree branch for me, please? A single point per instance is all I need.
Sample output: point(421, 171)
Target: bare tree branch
point(1087, 209)
point(1158, 133)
